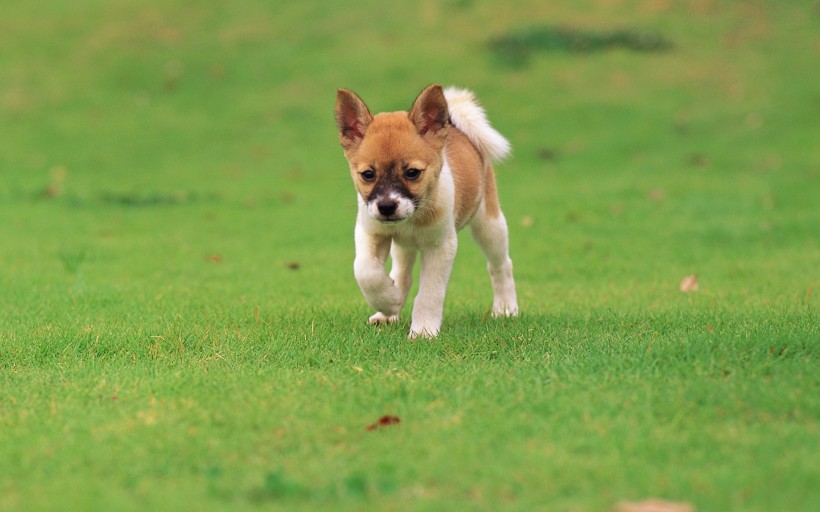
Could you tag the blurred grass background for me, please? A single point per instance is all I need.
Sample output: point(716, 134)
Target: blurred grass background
point(119, 107)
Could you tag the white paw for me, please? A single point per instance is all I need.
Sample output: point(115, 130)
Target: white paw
point(423, 332)
point(380, 318)
point(505, 310)
point(389, 299)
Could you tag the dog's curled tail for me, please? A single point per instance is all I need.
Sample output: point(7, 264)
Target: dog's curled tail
point(468, 116)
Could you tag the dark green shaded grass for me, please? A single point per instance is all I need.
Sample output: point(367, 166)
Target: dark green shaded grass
point(516, 48)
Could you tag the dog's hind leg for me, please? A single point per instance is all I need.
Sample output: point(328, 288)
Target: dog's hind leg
point(489, 228)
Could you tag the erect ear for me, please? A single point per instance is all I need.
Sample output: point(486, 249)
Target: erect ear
point(430, 115)
point(352, 118)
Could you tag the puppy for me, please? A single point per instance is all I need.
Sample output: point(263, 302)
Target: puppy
point(421, 176)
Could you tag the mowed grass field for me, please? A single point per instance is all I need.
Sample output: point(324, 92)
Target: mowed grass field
point(179, 324)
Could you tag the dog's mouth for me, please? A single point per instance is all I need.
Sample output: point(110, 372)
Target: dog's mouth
point(390, 219)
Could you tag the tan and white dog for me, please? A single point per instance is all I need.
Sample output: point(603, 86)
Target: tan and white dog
point(421, 176)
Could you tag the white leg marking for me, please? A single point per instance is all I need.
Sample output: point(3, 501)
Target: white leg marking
point(491, 235)
point(401, 274)
point(379, 290)
point(436, 265)
point(402, 269)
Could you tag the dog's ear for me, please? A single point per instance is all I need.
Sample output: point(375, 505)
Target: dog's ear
point(430, 115)
point(352, 118)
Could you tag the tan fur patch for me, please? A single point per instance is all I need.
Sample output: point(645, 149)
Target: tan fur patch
point(392, 137)
point(491, 205)
point(467, 167)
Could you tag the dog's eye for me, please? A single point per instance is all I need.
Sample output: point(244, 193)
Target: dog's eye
point(368, 175)
point(412, 174)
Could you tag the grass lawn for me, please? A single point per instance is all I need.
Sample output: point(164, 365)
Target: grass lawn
point(179, 324)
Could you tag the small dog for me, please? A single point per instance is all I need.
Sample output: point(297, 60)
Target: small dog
point(421, 176)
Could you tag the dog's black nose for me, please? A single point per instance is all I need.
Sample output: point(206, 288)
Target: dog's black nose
point(387, 207)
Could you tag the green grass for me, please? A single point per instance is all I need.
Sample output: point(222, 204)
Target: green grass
point(179, 323)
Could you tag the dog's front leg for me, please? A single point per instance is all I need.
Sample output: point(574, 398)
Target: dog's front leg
point(436, 265)
point(379, 290)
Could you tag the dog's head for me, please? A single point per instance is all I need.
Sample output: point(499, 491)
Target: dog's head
point(395, 157)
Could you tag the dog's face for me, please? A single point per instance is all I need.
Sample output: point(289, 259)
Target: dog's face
point(395, 158)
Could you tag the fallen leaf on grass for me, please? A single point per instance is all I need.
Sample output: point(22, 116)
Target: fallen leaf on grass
point(689, 284)
point(384, 421)
point(653, 505)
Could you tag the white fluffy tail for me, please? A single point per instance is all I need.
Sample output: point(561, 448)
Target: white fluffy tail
point(468, 116)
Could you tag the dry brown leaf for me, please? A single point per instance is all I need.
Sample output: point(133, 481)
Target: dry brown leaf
point(654, 505)
point(689, 284)
point(384, 421)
